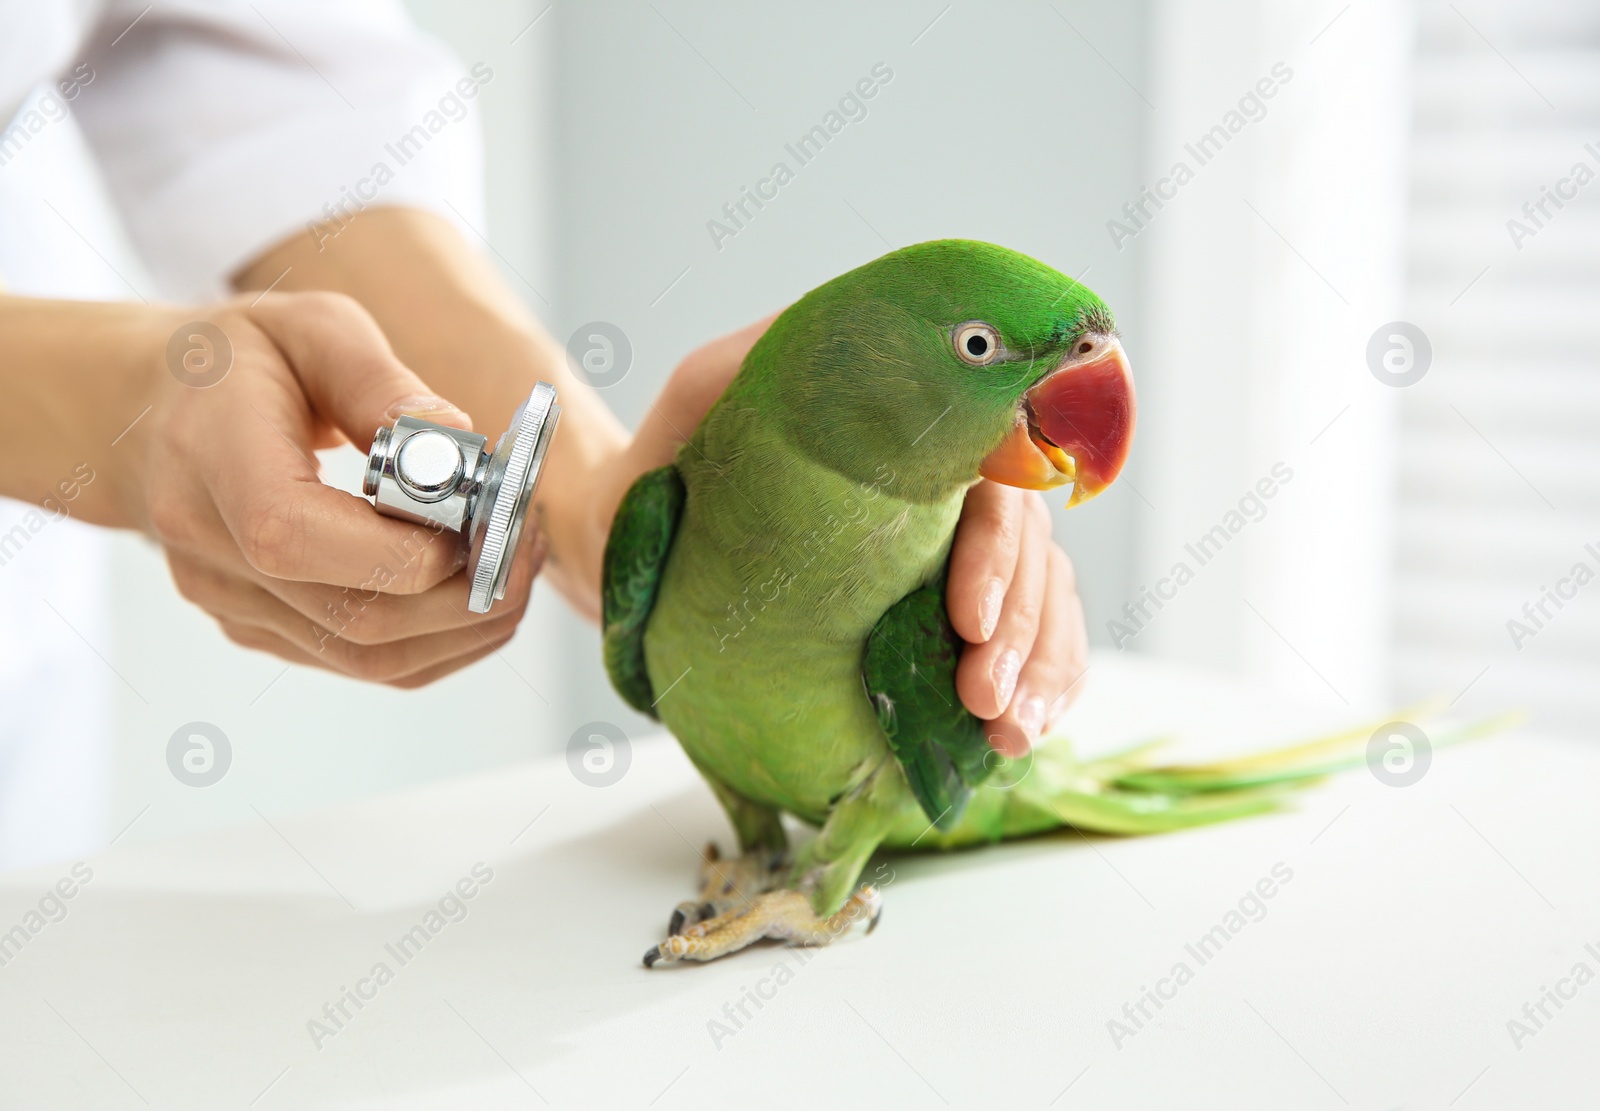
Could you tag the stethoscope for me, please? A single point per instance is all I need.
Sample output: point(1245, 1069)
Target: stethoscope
point(447, 479)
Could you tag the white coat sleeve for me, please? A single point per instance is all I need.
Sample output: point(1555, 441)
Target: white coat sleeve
point(224, 128)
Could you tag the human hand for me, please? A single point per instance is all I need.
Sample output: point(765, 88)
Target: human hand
point(225, 479)
point(1013, 598)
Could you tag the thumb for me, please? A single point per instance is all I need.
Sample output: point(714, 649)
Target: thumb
point(346, 367)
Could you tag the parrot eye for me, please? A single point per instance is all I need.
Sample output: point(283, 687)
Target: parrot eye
point(977, 344)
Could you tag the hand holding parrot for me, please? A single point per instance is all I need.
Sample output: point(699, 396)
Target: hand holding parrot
point(1012, 594)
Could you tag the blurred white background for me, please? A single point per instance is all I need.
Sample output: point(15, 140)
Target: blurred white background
point(1372, 186)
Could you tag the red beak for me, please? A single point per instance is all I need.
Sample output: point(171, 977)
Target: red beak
point(1075, 425)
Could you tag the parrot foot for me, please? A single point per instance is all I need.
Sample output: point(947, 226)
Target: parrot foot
point(727, 885)
point(784, 915)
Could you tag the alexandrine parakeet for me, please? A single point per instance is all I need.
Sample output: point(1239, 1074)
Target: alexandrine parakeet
point(775, 597)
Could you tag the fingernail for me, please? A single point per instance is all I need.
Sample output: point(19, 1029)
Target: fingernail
point(989, 606)
point(1030, 715)
point(420, 405)
point(1005, 677)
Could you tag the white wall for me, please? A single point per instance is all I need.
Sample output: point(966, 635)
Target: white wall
point(1268, 272)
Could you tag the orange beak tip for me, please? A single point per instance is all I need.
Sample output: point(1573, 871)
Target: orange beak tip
point(1021, 462)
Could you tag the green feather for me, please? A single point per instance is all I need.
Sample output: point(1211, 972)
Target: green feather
point(636, 552)
point(1292, 765)
point(910, 675)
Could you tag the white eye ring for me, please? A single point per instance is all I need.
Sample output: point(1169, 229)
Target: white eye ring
point(976, 343)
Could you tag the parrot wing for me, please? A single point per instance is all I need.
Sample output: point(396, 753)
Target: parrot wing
point(636, 555)
point(909, 670)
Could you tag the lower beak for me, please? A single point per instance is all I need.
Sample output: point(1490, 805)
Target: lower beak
point(1075, 426)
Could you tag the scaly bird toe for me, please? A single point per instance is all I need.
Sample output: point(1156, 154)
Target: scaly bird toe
point(777, 915)
point(729, 884)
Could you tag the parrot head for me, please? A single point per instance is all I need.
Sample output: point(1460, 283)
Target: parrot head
point(954, 360)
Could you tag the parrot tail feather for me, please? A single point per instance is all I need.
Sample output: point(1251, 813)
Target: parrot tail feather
point(1127, 792)
point(1136, 812)
point(1295, 765)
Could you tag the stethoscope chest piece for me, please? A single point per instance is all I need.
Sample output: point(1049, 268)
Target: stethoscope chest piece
point(449, 479)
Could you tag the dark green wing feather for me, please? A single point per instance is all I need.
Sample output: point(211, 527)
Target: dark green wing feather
point(636, 556)
point(909, 670)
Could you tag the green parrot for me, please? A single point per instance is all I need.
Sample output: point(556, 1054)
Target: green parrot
point(776, 597)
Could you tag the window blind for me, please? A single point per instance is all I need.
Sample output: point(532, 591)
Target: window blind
point(1497, 572)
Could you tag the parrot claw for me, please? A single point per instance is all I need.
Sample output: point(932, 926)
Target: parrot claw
point(728, 884)
point(753, 897)
point(783, 915)
point(686, 914)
